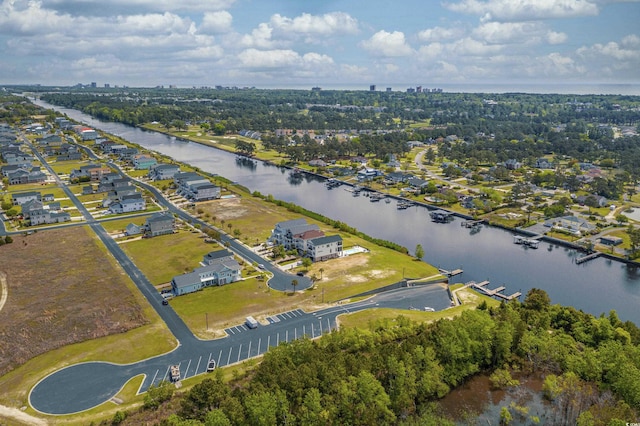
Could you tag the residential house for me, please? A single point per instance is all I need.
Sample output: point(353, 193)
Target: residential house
point(159, 224)
point(368, 174)
point(324, 248)
point(163, 171)
point(143, 161)
point(218, 272)
point(128, 204)
point(543, 163)
point(132, 229)
point(418, 183)
point(217, 255)
point(512, 164)
point(283, 232)
point(38, 214)
point(398, 177)
point(571, 224)
point(94, 172)
point(317, 163)
point(21, 198)
point(598, 199)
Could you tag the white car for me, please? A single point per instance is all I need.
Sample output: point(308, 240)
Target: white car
point(211, 366)
point(429, 309)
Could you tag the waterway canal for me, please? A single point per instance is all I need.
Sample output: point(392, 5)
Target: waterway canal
point(485, 253)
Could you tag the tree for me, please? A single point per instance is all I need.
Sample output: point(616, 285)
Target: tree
point(419, 252)
point(634, 237)
point(294, 284)
point(306, 262)
point(620, 218)
point(237, 233)
point(321, 271)
point(156, 395)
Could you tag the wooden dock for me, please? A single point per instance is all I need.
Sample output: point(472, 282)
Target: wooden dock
point(496, 292)
point(450, 273)
point(587, 258)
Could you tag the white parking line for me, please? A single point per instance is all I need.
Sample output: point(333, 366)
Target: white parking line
point(259, 343)
point(229, 358)
point(219, 355)
point(313, 333)
point(268, 342)
point(295, 333)
point(320, 327)
point(198, 366)
point(303, 330)
point(286, 334)
point(249, 351)
point(186, 371)
point(239, 352)
point(154, 377)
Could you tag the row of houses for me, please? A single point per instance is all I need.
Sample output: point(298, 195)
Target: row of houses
point(34, 209)
point(307, 239)
point(218, 268)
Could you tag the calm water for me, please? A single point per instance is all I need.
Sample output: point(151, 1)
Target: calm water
point(485, 254)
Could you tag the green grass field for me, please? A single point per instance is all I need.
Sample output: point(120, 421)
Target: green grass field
point(161, 258)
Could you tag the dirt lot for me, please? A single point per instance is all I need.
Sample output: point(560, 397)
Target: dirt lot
point(62, 289)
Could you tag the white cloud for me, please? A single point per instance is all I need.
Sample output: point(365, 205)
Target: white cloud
point(517, 33)
point(439, 34)
point(323, 25)
point(216, 22)
point(387, 44)
point(625, 51)
point(280, 58)
point(121, 6)
point(260, 37)
point(525, 10)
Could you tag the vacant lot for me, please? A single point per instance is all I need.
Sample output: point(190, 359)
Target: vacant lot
point(63, 289)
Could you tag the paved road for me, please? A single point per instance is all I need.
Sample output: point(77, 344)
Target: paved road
point(83, 386)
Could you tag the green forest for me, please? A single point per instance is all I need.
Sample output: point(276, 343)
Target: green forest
point(396, 371)
point(494, 127)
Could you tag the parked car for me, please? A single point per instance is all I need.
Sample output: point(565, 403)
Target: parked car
point(211, 366)
point(300, 274)
point(429, 309)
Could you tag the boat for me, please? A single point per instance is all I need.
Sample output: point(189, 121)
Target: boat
point(387, 200)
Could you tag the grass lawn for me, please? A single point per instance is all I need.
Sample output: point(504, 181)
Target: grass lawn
point(120, 224)
point(173, 254)
point(65, 167)
point(364, 319)
point(28, 187)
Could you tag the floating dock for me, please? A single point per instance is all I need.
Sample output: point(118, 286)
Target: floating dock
point(587, 258)
point(531, 242)
point(450, 273)
point(496, 292)
point(471, 223)
point(441, 216)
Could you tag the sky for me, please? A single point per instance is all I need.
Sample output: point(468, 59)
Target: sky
point(306, 43)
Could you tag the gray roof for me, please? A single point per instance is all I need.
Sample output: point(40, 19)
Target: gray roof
point(327, 239)
point(217, 254)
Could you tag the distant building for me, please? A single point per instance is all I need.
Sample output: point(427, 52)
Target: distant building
point(159, 224)
point(372, 88)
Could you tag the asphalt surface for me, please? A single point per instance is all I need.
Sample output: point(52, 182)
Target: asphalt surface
point(83, 386)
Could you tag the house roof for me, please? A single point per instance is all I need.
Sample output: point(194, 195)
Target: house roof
point(217, 254)
point(328, 239)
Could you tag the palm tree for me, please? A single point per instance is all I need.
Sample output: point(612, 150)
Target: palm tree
point(294, 283)
point(321, 271)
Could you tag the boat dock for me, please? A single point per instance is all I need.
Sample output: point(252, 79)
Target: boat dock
point(333, 183)
point(587, 258)
point(402, 205)
point(471, 223)
point(450, 273)
point(441, 216)
point(531, 242)
point(496, 292)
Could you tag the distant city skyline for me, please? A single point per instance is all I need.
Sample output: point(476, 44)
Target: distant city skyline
point(287, 43)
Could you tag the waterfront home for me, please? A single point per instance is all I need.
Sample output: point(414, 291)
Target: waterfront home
point(283, 233)
point(324, 248)
point(163, 171)
point(143, 161)
point(570, 224)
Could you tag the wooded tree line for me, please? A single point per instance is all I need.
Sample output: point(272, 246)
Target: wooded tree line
point(395, 371)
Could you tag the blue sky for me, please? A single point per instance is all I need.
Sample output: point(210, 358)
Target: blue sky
point(304, 43)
